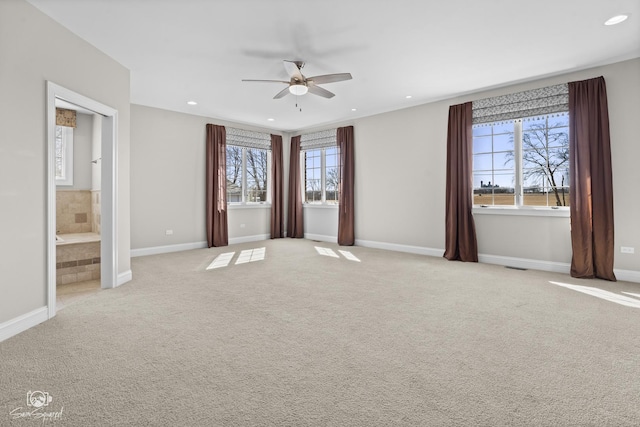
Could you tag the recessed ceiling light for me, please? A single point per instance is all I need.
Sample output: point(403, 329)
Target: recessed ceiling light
point(270, 119)
point(616, 19)
point(353, 109)
point(192, 103)
point(408, 96)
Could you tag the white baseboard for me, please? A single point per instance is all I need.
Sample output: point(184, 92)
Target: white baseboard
point(166, 249)
point(321, 238)
point(124, 277)
point(22, 323)
point(155, 250)
point(400, 248)
point(533, 264)
point(249, 239)
point(627, 275)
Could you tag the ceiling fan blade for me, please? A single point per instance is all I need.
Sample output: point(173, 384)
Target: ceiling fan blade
point(265, 81)
point(317, 90)
point(293, 70)
point(282, 93)
point(330, 78)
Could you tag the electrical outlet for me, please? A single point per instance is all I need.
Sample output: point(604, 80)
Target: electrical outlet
point(168, 232)
point(626, 250)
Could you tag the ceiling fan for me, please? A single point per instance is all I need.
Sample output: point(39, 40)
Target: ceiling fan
point(300, 85)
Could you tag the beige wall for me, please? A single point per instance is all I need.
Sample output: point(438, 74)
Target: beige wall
point(168, 181)
point(30, 55)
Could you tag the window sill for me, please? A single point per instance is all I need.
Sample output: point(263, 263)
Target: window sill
point(522, 211)
point(232, 206)
point(320, 205)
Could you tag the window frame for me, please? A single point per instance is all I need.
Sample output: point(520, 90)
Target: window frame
point(67, 156)
point(243, 187)
point(518, 208)
point(323, 177)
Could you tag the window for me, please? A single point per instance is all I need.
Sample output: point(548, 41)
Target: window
point(523, 162)
point(321, 174)
point(247, 174)
point(64, 155)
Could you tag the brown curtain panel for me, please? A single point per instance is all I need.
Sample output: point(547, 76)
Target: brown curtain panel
point(460, 233)
point(217, 234)
point(295, 226)
point(277, 217)
point(345, 139)
point(591, 180)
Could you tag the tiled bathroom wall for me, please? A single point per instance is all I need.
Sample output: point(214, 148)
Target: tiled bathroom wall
point(77, 263)
point(73, 211)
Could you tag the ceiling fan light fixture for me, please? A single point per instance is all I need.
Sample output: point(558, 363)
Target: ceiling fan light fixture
point(298, 89)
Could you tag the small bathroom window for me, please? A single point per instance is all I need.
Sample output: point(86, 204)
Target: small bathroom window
point(64, 155)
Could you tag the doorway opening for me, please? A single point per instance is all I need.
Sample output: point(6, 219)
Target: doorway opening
point(91, 231)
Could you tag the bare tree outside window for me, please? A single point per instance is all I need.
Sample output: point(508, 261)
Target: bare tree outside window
point(545, 161)
point(256, 175)
point(332, 174)
point(234, 165)
point(234, 174)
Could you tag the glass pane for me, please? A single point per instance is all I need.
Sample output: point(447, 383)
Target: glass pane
point(481, 130)
point(481, 182)
point(331, 174)
point(482, 162)
point(534, 180)
point(504, 160)
point(538, 198)
point(234, 165)
point(559, 196)
point(556, 121)
point(533, 159)
point(482, 144)
point(534, 139)
point(502, 128)
point(559, 137)
point(504, 182)
point(533, 123)
point(256, 175)
point(503, 142)
point(559, 157)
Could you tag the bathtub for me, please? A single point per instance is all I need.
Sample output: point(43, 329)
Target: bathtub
point(77, 257)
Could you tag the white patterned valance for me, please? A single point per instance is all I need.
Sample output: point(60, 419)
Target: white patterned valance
point(535, 102)
point(248, 139)
point(323, 139)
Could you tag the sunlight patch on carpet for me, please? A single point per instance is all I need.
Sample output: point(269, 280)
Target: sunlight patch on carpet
point(251, 255)
point(631, 293)
point(326, 252)
point(221, 260)
point(602, 294)
point(348, 255)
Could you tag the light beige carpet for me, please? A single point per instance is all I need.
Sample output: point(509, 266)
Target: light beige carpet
point(301, 339)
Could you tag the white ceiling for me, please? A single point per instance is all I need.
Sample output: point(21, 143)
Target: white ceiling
point(181, 50)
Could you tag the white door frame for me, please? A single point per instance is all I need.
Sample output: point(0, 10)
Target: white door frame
point(108, 196)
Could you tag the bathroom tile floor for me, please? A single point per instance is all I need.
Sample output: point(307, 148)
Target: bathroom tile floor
point(73, 292)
